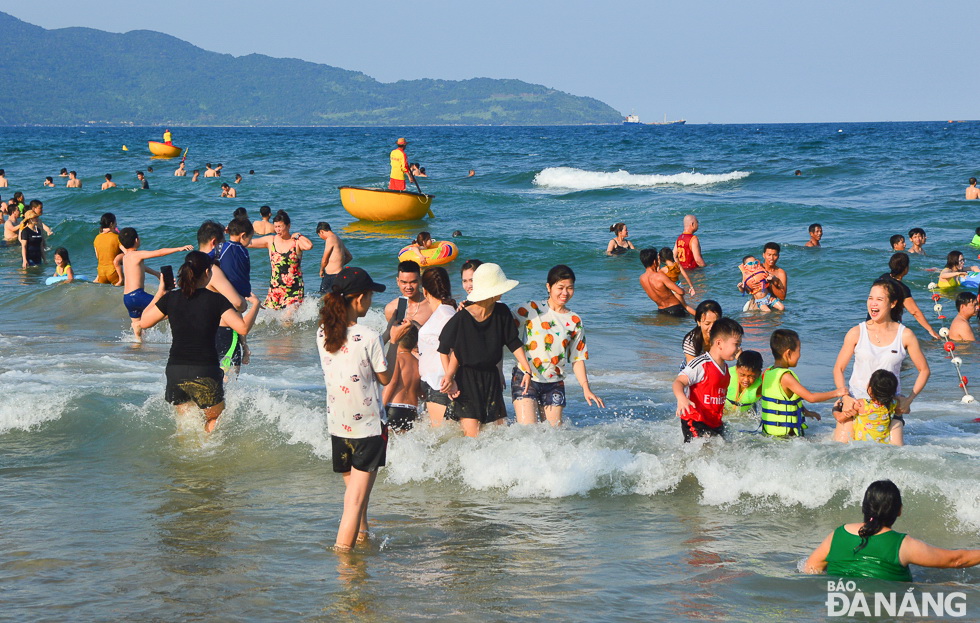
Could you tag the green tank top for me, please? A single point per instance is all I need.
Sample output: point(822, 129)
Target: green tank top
point(878, 559)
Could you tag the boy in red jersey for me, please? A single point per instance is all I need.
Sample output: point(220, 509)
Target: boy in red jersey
point(701, 387)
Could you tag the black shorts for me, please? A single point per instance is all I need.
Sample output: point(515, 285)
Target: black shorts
point(222, 342)
point(677, 311)
point(401, 417)
point(326, 283)
point(433, 395)
point(201, 384)
point(366, 454)
point(694, 428)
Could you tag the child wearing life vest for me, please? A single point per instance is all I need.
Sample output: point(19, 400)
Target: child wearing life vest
point(755, 281)
point(782, 394)
point(702, 385)
point(874, 417)
point(743, 389)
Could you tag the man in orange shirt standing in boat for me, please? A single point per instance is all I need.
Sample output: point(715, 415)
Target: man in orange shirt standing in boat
point(399, 167)
point(168, 138)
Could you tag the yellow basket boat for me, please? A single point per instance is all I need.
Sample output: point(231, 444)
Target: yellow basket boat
point(163, 150)
point(379, 204)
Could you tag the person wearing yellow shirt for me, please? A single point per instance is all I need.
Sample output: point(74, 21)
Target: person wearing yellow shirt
point(168, 138)
point(399, 166)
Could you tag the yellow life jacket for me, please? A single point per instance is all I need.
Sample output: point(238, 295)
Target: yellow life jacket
point(781, 415)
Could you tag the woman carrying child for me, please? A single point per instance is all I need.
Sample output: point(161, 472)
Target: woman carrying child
point(880, 343)
point(471, 344)
point(553, 337)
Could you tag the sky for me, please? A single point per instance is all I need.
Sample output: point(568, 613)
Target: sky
point(705, 61)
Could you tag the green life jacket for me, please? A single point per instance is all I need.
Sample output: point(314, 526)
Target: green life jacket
point(781, 415)
point(750, 395)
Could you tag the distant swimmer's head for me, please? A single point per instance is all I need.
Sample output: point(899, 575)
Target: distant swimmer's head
point(770, 253)
point(108, 221)
point(471, 173)
point(240, 214)
point(973, 181)
point(666, 255)
point(816, 228)
point(194, 273)
point(139, 175)
point(424, 240)
point(966, 299)
point(128, 238)
point(898, 242)
point(616, 228)
point(798, 172)
point(210, 233)
point(225, 186)
point(898, 265)
point(251, 171)
point(150, 169)
point(108, 177)
point(401, 142)
point(917, 235)
point(63, 172)
point(265, 211)
point(457, 234)
point(322, 226)
point(649, 258)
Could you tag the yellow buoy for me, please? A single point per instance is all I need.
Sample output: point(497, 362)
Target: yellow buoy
point(125, 148)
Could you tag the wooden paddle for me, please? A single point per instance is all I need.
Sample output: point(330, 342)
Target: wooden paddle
point(416, 182)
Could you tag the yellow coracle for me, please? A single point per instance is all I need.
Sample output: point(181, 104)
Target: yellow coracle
point(163, 150)
point(377, 204)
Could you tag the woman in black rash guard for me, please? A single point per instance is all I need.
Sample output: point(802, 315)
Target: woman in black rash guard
point(193, 370)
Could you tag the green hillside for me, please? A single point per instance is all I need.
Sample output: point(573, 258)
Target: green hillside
point(80, 75)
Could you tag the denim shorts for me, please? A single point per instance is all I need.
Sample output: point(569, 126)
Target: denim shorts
point(545, 394)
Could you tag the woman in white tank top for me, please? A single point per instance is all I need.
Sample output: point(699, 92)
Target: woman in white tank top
point(881, 343)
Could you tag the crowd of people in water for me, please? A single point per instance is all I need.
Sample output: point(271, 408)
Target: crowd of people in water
point(443, 357)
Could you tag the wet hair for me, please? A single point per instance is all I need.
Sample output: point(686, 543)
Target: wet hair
point(953, 259)
point(408, 266)
point(208, 231)
point(896, 239)
point(560, 273)
point(19, 196)
point(208, 165)
point(197, 171)
point(265, 211)
point(617, 227)
point(108, 220)
point(798, 172)
point(899, 263)
point(322, 226)
point(195, 265)
point(240, 227)
point(894, 295)
point(240, 213)
point(138, 173)
point(814, 227)
point(783, 341)
point(2, 172)
point(977, 231)
point(772, 245)
point(435, 282)
point(751, 359)
point(470, 265)
point(411, 338)
point(73, 173)
point(423, 238)
point(973, 180)
point(128, 237)
point(281, 217)
point(457, 234)
point(63, 170)
point(35, 203)
point(882, 387)
point(108, 177)
point(916, 230)
point(333, 318)
point(225, 185)
point(666, 255)
point(704, 307)
point(63, 252)
point(648, 257)
point(251, 171)
point(964, 298)
point(49, 179)
point(150, 169)
point(725, 328)
point(881, 507)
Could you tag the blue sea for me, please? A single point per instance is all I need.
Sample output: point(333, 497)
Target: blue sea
point(114, 509)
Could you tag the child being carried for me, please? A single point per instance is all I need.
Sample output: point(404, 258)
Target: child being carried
point(755, 282)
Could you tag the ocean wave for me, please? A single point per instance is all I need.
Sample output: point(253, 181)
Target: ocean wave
point(579, 179)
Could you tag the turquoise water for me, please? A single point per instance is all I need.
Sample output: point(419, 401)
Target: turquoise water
point(113, 509)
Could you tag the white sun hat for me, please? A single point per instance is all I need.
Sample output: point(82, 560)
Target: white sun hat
point(489, 281)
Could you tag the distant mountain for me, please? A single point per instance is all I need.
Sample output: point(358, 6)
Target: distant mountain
point(80, 75)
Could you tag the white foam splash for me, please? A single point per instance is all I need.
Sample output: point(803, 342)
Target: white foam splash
point(578, 179)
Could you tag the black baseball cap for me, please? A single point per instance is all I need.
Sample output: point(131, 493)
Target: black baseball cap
point(352, 280)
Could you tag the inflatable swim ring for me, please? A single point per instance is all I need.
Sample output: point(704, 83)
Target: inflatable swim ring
point(970, 280)
point(442, 253)
point(58, 279)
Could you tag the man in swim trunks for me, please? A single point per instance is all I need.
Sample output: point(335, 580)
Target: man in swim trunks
point(108, 183)
point(107, 252)
point(335, 256)
point(665, 293)
point(687, 249)
point(399, 166)
point(972, 192)
point(778, 281)
point(135, 298)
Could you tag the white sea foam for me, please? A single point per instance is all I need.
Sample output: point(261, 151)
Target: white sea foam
point(578, 179)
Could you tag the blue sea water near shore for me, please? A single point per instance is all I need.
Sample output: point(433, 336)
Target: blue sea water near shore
point(113, 509)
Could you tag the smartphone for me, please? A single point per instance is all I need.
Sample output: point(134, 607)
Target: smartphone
point(401, 309)
point(167, 272)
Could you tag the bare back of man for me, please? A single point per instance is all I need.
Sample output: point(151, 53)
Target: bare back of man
point(665, 293)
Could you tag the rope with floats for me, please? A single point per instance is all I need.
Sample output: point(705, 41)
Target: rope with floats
point(949, 347)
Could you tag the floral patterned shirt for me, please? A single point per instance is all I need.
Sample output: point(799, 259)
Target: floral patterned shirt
point(551, 340)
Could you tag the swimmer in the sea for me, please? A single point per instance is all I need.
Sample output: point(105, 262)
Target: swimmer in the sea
point(63, 173)
point(966, 308)
point(181, 171)
point(144, 184)
point(816, 233)
point(135, 298)
point(108, 183)
point(898, 242)
point(972, 192)
point(665, 293)
point(209, 170)
point(3, 178)
point(238, 178)
point(264, 226)
point(619, 245)
point(49, 182)
point(196, 176)
point(108, 255)
point(755, 282)
point(917, 236)
point(73, 181)
point(228, 191)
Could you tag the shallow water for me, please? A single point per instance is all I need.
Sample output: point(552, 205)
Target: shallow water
point(114, 509)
